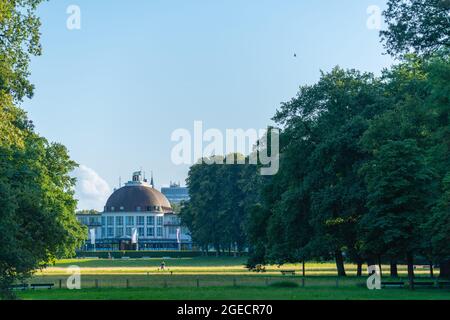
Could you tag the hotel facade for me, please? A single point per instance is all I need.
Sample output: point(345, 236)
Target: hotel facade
point(136, 217)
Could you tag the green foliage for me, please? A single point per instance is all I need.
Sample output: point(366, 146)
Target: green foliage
point(438, 225)
point(37, 220)
point(398, 185)
point(311, 208)
point(419, 26)
point(19, 38)
point(420, 115)
point(92, 211)
point(219, 196)
point(37, 208)
point(362, 165)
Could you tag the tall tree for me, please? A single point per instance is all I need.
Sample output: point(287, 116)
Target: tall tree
point(397, 181)
point(438, 153)
point(215, 213)
point(316, 199)
point(37, 206)
point(438, 227)
point(419, 92)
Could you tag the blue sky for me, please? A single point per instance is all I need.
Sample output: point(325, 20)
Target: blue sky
point(114, 91)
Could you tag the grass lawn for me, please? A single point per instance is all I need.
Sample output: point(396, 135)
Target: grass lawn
point(211, 278)
point(197, 265)
point(235, 293)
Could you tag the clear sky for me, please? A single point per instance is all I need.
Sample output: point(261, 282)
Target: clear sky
point(114, 91)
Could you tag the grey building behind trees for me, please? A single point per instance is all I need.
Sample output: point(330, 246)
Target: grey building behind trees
point(176, 193)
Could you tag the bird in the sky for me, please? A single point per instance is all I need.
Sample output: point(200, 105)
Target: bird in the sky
point(295, 55)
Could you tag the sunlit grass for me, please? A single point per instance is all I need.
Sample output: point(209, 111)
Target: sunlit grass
point(199, 265)
point(213, 278)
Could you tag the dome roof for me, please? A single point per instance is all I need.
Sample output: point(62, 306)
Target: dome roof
point(137, 198)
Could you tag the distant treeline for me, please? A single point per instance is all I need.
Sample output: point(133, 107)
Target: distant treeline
point(364, 163)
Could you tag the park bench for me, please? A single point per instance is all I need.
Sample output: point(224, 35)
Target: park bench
point(288, 272)
point(22, 286)
point(422, 266)
point(397, 284)
point(41, 285)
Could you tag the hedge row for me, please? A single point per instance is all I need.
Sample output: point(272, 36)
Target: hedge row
point(147, 254)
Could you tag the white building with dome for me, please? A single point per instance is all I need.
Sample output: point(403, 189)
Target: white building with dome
point(136, 217)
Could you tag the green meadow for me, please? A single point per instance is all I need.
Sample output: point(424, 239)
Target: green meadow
point(236, 293)
point(213, 278)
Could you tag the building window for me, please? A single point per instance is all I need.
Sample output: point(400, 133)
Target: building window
point(159, 232)
point(103, 232)
point(119, 221)
point(140, 220)
point(172, 231)
point(174, 221)
point(150, 220)
point(110, 232)
point(150, 232)
point(119, 232)
point(141, 232)
point(138, 209)
point(103, 221)
point(113, 209)
point(122, 208)
point(128, 231)
point(110, 221)
point(130, 221)
point(149, 208)
point(159, 221)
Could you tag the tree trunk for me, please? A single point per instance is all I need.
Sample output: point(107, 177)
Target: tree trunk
point(445, 269)
point(303, 269)
point(359, 269)
point(380, 267)
point(431, 270)
point(371, 261)
point(217, 247)
point(340, 263)
point(394, 269)
point(410, 262)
